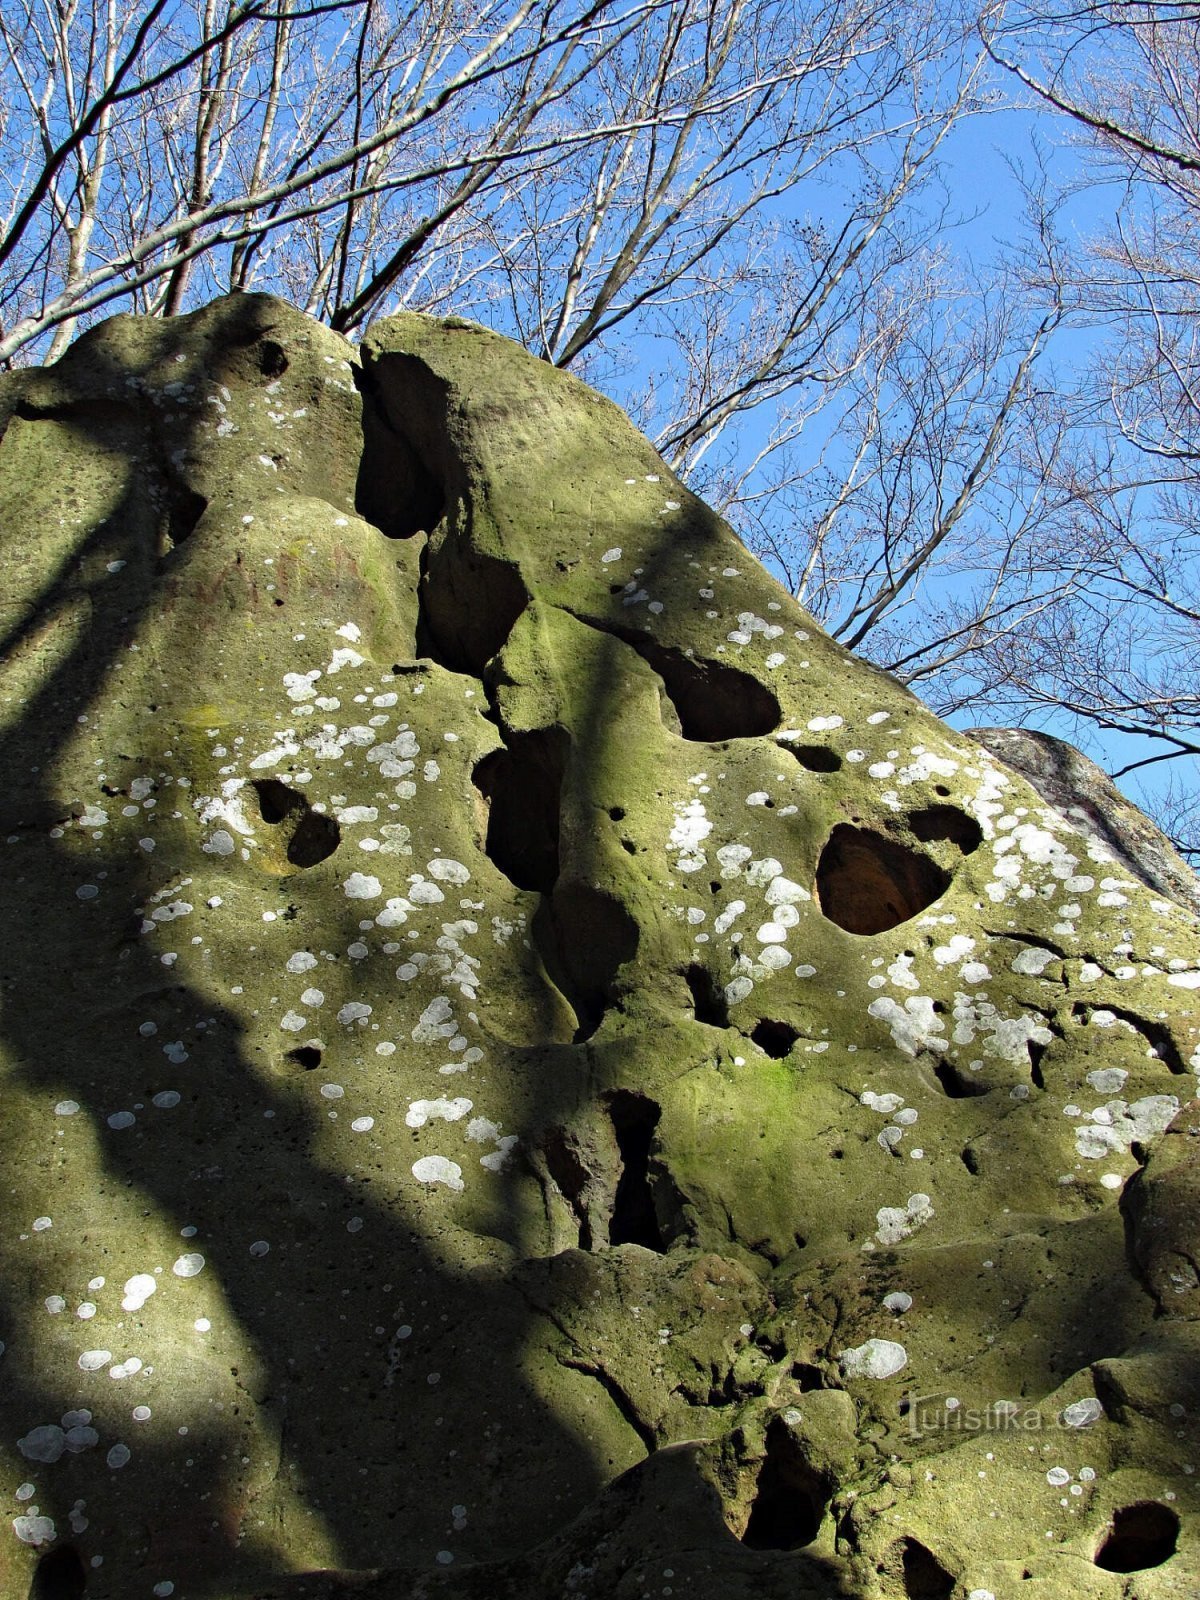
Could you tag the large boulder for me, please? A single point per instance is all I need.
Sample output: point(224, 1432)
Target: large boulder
point(528, 1070)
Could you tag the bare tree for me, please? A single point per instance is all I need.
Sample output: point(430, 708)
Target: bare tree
point(1120, 652)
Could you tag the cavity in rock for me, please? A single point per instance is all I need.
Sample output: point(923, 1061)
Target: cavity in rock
point(776, 1038)
point(584, 936)
point(790, 1498)
point(310, 836)
point(305, 1056)
point(184, 509)
point(947, 824)
point(634, 1221)
point(59, 1575)
point(814, 757)
point(924, 1576)
point(708, 998)
point(519, 787)
point(959, 1085)
point(398, 490)
point(868, 883)
point(712, 701)
point(1142, 1535)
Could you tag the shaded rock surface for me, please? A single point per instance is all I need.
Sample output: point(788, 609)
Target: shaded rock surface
point(527, 1069)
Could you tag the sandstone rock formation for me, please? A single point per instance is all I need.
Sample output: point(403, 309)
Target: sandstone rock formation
point(527, 1069)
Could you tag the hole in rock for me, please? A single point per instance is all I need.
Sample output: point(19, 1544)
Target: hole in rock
point(868, 883)
point(468, 603)
point(634, 1220)
point(816, 757)
point(1142, 1535)
point(272, 358)
point(807, 1376)
point(937, 824)
point(309, 836)
point(708, 998)
point(306, 1056)
point(776, 1038)
point(520, 786)
point(275, 800)
point(59, 1575)
point(617, 813)
point(399, 489)
point(924, 1576)
point(712, 701)
point(584, 936)
point(959, 1085)
point(971, 1161)
point(1036, 1052)
point(184, 510)
point(789, 1500)
point(316, 837)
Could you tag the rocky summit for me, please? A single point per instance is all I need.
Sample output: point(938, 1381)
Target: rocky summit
point(528, 1071)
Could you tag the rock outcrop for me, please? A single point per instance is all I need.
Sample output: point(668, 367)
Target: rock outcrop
point(528, 1070)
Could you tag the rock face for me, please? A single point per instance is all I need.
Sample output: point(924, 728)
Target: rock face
point(1088, 799)
point(527, 1069)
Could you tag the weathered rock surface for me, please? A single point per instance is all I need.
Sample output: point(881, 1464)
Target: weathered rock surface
point(1087, 798)
point(527, 1069)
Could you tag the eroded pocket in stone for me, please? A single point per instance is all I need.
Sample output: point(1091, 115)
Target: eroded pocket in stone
point(868, 883)
point(519, 787)
point(790, 1498)
point(712, 701)
point(708, 998)
point(774, 1037)
point(60, 1575)
point(307, 836)
point(813, 757)
point(634, 1218)
point(1142, 1535)
point(920, 1575)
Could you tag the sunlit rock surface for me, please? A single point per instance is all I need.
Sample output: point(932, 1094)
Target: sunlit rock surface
point(528, 1071)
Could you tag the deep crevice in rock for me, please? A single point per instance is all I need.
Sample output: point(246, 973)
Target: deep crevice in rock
point(868, 883)
point(396, 490)
point(469, 603)
point(520, 788)
point(790, 1498)
point(623, 1403)
point(411, 480)
point(1142, 1535)
point(60, 1575)
point(634, 1219)
point(309, 836)
point(713, 702)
